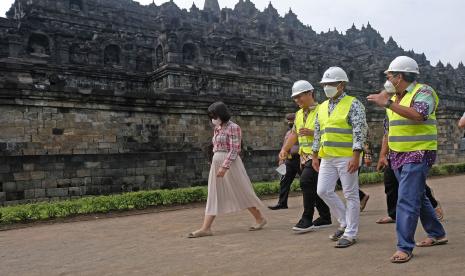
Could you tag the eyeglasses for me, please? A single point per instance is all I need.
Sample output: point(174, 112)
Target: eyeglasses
point(389, 77)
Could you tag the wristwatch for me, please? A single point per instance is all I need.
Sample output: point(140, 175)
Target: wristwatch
point(388, 103)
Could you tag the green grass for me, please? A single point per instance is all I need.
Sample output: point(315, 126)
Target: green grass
point(145, 199)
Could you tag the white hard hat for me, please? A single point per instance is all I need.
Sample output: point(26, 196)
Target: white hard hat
point(334, 74)
point(403, 64)
point(301, 87)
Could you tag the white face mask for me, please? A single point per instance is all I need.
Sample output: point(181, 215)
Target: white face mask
point(390, 87)
point(330, 91)
point(216, 122)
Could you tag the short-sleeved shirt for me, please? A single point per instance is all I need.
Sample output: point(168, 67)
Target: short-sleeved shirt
point(424, 103)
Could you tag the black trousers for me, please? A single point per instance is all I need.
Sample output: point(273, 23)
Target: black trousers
point(391, 187)
point(308, 184)
point(292, 169)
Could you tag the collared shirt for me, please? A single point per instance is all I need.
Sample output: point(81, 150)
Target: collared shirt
point(356, 118)
point(304, 157)
point(424, 103)
point(227, 138)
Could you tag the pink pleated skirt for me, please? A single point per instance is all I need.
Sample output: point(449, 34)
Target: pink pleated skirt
point(231, 193)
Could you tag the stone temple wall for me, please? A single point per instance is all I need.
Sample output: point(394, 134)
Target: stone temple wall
point(107, 96)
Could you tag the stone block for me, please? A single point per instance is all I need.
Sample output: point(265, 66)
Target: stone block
point(75, 191)
point(22, 176)
point(4, 168)
point(92, 165)
point(104, 145)
point(37, 175)
point(57, 192)
point(140, 180)
point(28, 167)
point(29, 194)
point(49, 183)
point(83, 173)
point(75, 182)
point(25, 78)
point(9, 187)
point(152, 170)
point(63, 183)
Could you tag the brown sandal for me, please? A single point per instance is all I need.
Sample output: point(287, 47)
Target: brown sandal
point(434, 241)
point(397, 259)
point(385, 220)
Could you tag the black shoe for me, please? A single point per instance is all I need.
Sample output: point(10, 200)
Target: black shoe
point(337, 235)
point(321, 223)
point(345, 242)
point(303, 226)
point(277, 207)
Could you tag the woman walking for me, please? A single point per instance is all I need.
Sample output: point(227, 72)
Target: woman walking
point(229, 187)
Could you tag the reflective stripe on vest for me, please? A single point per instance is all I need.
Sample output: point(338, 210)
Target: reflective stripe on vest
point(406, 135)
point(336, 133)
point(305, 142)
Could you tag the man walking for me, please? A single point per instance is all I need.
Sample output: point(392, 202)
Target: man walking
point(292, 164)
point(303, 95)
point(340, 133)
point(411, 133)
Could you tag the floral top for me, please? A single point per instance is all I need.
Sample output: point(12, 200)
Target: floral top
point(424, 103)
point(356, 118)
point(227, 138)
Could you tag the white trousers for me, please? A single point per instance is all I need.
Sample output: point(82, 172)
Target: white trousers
point(330, 170)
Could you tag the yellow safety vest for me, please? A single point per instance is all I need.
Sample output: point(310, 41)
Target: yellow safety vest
point(336, 133)
point(305, 142)
point(406, 135)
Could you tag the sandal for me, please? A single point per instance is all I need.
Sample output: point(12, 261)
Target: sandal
point(258, 226)
point(385, 220)
point(345, 242)
point(433, 242)
point(397, 259)
point(199, 234)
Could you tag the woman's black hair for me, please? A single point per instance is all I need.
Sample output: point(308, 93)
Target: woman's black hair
point(219, 110)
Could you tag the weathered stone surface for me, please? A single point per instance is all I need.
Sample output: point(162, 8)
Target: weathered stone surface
point(105, 96)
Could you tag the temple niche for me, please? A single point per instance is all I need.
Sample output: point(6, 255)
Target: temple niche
point(144, 60)
point(39, 45)
point(112, 55)
point(241, 60)
point(285, 66)
point(189, 54)
point(75, 5)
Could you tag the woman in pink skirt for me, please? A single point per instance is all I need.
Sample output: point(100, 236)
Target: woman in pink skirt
point(229, 187)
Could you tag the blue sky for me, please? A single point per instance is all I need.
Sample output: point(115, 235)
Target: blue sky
point(436, 28)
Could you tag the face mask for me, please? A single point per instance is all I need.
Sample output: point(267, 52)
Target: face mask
point(330, 91)
point(390, 87)
point(216, 122)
